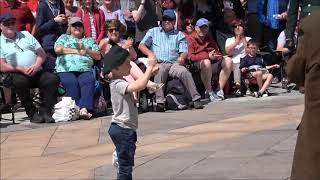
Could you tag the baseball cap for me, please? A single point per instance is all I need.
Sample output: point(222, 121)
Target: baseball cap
point(74, 20)
point(169, 13)
point(202, 22)
point(6, 17)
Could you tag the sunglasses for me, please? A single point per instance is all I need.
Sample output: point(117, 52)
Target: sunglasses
point(113, 30)
point(78, 24)
point(188, 24)
point(9, 23)
point(167, 19)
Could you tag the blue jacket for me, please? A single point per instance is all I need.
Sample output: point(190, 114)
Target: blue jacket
point(48, 30)
point(267, 8)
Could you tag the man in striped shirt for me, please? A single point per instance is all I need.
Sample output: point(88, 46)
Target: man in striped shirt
point(170, 48)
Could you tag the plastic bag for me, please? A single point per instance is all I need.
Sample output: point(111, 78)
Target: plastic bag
point(66, 110)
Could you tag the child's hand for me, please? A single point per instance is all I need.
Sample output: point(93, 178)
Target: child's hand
point(276, 66)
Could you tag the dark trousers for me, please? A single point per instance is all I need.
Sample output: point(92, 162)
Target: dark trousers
point(125, 141)
point(50, 62)
point(47, 84)
point(270, 38)
point(254, 28)
point(79, 86)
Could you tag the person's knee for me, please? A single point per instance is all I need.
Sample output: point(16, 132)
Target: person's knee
point(86, 79)
point(227, 63)
point(52, 79)
point(205, 64)
point(20, 81)
point(258, 74)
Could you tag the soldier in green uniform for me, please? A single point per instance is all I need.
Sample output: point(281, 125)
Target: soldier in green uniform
point(307, 7)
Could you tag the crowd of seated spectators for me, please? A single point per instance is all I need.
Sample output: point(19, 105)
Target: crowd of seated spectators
point(64, 39)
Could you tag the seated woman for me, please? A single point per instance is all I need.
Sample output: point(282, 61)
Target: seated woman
point(235, 47)
point(114, 28)
point(188, 27)
point(76, 54)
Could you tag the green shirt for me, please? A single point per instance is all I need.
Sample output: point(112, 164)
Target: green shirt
point(74, 62)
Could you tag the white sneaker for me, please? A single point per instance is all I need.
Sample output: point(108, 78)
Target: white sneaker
point(115, 162)
point(220, 94)
point(213, 96)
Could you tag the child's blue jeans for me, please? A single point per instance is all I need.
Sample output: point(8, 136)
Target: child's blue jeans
point(125, 141)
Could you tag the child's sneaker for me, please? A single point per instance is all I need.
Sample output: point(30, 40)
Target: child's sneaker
point(115, 159)
point(257, 94)
point(265, 94)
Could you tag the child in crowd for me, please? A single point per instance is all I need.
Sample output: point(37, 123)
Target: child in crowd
point(256, 68)
point(124, 122)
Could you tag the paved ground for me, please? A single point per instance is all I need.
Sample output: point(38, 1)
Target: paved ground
point(237, 139)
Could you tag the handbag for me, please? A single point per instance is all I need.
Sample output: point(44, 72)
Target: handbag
point(100, 104)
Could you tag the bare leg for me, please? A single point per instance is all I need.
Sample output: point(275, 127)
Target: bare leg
point(7, 95)
point(225, 72)
point(206, 72)
point(267, 78)
point(258, 76)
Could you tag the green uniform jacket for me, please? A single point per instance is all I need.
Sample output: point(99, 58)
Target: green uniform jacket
point(307, 6)
point(304, 68)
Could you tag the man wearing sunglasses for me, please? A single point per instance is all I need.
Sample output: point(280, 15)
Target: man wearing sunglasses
point(21, 57)
point(170, 48)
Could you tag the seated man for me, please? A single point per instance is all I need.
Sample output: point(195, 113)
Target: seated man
point(204, 51)
point(169, 46)
point(22, 56)
point(254, 65)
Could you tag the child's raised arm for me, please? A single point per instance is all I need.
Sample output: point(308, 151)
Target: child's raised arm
point(142, 81)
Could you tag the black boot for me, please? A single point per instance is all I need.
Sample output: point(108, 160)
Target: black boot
point(37, 118)
point(46, 116)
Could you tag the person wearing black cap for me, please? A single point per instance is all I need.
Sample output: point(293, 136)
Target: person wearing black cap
point(124, 121)
point(21, 56)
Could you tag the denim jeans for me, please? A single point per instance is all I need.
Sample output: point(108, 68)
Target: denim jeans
point(125, 141)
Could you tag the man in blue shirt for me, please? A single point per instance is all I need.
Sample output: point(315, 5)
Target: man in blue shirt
point(21, 57)
point(272, 14)
point(169, 46)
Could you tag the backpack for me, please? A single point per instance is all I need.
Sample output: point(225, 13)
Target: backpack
point(177, 97)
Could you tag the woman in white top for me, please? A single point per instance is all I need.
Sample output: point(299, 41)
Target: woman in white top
point(114, 28)
point(235, 47)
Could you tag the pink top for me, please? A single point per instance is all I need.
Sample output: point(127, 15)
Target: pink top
point(98, 20)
